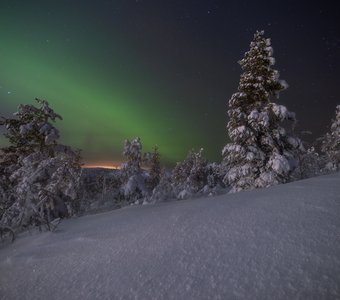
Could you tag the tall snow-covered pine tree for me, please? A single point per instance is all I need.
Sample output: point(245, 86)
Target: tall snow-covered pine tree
point(261, 152)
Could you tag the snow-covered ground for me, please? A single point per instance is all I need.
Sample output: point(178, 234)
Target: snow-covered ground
point(277, 243)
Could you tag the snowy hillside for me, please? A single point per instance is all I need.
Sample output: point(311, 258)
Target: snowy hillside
point(277, 243)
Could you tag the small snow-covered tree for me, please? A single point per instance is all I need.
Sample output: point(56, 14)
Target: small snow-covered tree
point(155, 168)
point(214, 175)
point(164, 191)
point(311, 164)
point(261, 152)
point(43, 175)
point(133, 176)
point(190, 175)
point(133, 152)
point(331, 143)
point(6, 195)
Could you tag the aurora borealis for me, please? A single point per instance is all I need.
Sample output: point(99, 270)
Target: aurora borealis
point(161, 70)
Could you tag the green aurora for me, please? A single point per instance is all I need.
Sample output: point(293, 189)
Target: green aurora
point(104, 91)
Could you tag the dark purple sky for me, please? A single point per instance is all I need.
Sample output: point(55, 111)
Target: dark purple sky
point(162, 70)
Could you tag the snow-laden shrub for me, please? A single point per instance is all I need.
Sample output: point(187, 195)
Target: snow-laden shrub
point(195, 176)
point(136, 188)
point(261, 152)
point(190, 175)
point(311, 164)
point(164, 191)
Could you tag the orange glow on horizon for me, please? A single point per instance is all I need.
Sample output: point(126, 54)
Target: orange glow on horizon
point(115, 166)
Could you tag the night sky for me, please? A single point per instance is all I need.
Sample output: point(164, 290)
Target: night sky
point(161, 70)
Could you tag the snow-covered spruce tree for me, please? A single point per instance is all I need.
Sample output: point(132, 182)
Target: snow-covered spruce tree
point(310, 164)
point(6, 196)
point(133, 176)
point(214, 178)
point(164, 191)
point(190, 175)
point(133, 152)
point(155, 168)
point(43, 174)
point(311, 161)
point(261, 152)
point(331, 143)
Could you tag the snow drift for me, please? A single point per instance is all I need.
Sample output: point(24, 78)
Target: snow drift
point(277, 243)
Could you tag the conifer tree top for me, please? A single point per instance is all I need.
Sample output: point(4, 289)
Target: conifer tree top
point(259, 57)
point(259, 82)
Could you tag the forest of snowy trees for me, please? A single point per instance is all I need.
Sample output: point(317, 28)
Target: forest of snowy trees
point(41, 180)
